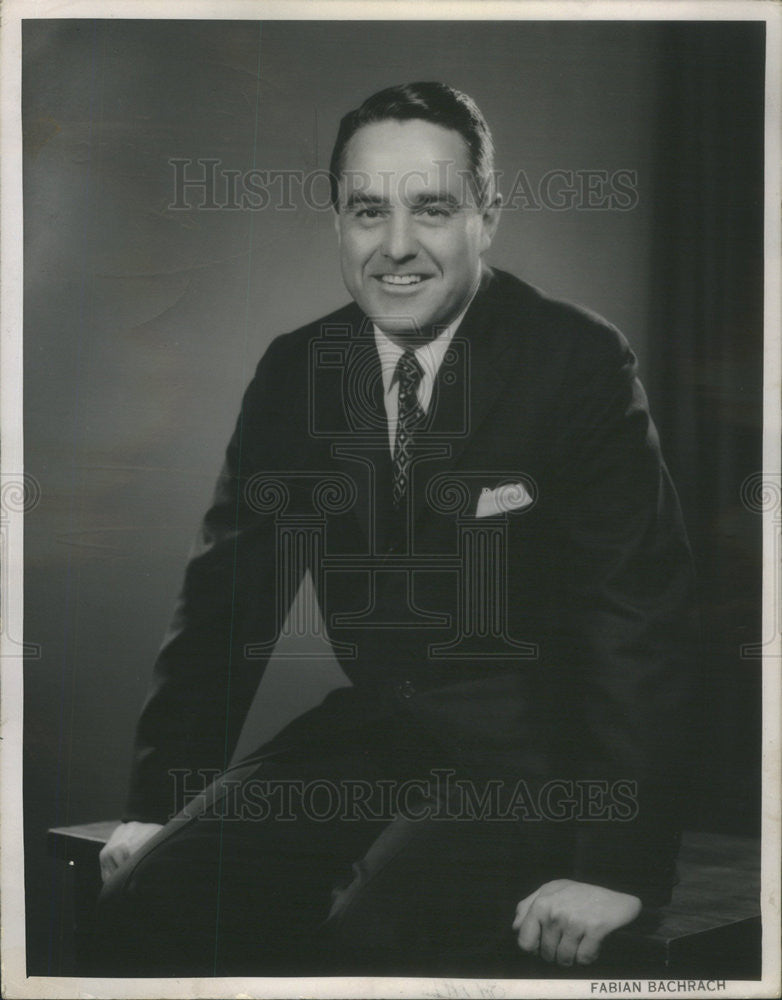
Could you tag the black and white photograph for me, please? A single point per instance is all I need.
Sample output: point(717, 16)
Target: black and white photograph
point(391, 506)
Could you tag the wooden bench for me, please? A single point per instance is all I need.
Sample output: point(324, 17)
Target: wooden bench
point(710, 930)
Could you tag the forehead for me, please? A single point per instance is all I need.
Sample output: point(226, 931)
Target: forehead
point(413, 148)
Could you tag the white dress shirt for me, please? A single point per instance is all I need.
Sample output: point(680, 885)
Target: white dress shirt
point(429, 356)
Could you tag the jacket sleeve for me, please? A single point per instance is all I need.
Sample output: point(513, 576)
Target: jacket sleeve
point(203, 682)
point(630, 627)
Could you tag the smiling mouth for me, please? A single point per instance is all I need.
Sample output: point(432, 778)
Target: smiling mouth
point(401, 279)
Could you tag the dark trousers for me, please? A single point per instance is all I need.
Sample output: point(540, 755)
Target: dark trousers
point(321, 860)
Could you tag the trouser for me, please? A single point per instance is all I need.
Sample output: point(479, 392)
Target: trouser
point(316, 861)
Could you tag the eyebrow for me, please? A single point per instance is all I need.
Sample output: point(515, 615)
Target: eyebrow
point(358, 198)
point(438, 198)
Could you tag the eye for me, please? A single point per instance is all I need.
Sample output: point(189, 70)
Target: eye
point(436, 212)
point(368, 213)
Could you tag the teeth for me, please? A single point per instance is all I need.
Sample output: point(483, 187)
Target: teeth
point(401, 279)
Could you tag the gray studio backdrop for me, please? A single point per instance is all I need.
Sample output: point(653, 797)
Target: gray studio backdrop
point(143, 323)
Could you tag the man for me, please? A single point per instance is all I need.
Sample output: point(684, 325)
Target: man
point(469, 471)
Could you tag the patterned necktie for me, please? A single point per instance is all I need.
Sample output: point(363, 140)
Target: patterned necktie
point(408, 373)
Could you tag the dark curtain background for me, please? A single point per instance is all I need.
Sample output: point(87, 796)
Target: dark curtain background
point(707, 371)
point(142, 327)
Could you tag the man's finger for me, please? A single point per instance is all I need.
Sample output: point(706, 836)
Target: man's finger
point(107, 868)
point(567, 948)
point(529, 934)
point(105, 864)
point(588, 949)
point(550, 936)
point(522, 909)
point(112, 859)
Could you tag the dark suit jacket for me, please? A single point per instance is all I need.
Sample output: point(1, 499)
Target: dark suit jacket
point(549, 642)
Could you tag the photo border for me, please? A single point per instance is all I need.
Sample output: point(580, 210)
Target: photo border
point(15, 982)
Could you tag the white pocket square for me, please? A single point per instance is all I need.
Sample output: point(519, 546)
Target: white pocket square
point(510, 496)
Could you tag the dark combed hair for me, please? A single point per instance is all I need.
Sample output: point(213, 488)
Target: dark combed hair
point(430, 102)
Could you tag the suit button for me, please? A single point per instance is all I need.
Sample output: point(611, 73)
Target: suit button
point(406, 689)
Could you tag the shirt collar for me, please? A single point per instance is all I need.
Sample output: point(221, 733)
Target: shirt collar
point(429, 355)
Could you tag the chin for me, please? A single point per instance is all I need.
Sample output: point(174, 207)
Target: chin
point(404, 329)
point(398, 318)
point(401, 323)
point(394, 316)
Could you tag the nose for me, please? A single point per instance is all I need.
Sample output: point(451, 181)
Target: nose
point(399, 241)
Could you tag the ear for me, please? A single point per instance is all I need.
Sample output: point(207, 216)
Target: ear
point(490, 219)
point(336, 219)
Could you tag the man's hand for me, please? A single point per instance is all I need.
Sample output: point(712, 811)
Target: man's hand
point(126, 840)
point(566, 921)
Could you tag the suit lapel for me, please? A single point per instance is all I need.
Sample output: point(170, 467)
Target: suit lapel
point(346, 399)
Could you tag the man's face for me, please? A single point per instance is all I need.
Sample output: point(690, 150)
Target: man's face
point(410, 232)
